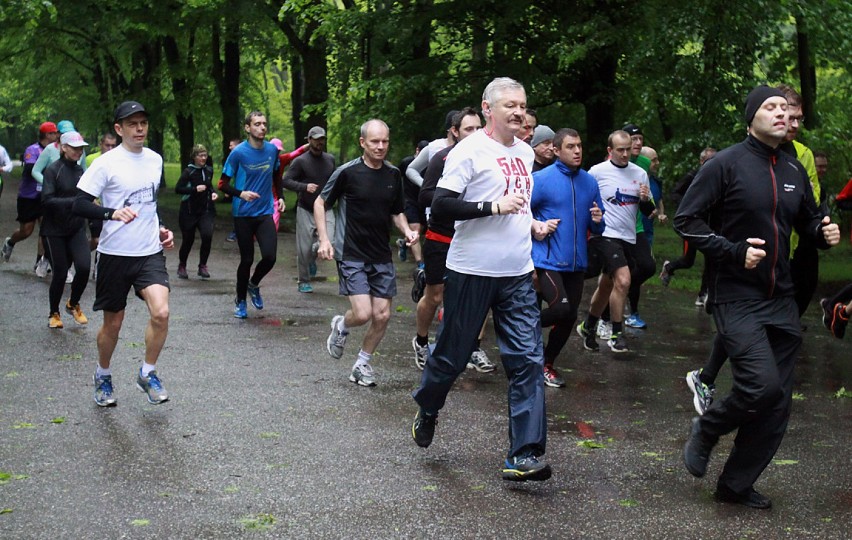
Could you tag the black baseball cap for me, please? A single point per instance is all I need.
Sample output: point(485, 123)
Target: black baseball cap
point(128, 108)
point(632, 129)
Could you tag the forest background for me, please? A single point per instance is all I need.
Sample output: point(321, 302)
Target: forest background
point(680, 70)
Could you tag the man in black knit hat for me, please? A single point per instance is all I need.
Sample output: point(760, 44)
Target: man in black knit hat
point(739, 212)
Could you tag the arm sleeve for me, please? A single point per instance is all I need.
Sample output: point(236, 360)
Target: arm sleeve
point(226, 187)
point(39, 167)
point(448, 204)
point(48, 191)
point(84, 206)
point(692, 219)
point(415, 169)
point(5, 161)
point(808, 222)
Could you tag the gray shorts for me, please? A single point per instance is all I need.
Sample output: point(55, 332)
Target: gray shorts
point(375, 279)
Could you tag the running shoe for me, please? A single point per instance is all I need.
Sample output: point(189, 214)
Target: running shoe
point(696, 451)
point(604, 329)
point(240, 309)
point(232, 237)
point(834, 318)
point(701, 300)
point(552, 378)
point(69, 276)
point(665, 275)
point(480, 362)
point(420, 353)
point(618, 343)
point(635, 321)
point(336, 339)
point(7, 248)
point(55, 321)
point(203, 272)
point(103, 391)
point(589, 341)
point(254, 294)
point(153, 387)
point(182, 274)
point(76, 312)
point(423, 428)
point(363, 375)
point(419, 285)
point(403, 249)
point(42, 268)
point(527, 467)
point(702, 393)
point(305, 288)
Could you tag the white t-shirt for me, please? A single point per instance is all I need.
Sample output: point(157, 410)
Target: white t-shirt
point(482, 169)
point(619, 188)
point(121, 178)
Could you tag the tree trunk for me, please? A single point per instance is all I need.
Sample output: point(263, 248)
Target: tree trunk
point(183, 97)
point(807, 74)
point(226, 74)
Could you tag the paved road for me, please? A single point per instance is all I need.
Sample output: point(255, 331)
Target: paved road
point(264, 436)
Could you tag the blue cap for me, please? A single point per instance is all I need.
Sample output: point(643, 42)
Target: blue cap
point(64, 126)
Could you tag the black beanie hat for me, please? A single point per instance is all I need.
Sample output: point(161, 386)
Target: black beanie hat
point(756, 98)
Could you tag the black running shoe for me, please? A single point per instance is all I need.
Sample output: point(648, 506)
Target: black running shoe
point(419, 278)
point(527, 467)
point(590, 343)
point(423, 428)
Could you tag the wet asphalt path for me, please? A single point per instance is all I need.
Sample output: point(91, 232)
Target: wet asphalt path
point(265, 437)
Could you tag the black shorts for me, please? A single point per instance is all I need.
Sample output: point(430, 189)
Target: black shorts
point(117, 274)
point(413, 213)
point(29, 210)
point(607, 255)
point(435, 261)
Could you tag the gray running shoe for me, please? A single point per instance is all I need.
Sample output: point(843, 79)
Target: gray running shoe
point(420, 354)
point(363, 375)
point(336, 339)
point(480, 362)
point(42, 268)
point(152, 386)
point(604, 329)
point(665, 275)
point(7, 248)
point(103, 391)
point(617, 343)
point(702, 393)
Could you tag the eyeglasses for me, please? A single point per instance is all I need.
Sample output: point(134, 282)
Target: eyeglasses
point(797, 119)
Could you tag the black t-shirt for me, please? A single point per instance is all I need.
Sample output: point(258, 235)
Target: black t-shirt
point(365, 198)
point(434, 171)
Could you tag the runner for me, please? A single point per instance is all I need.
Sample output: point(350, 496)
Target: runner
point(64, 233)
point(368, 191)
point(126, 180)
point(197, 211)
point(486, 187)
point(254, 167)
point(566, 193)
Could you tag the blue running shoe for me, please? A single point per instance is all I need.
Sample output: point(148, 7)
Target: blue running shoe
point(523, 468)
point(153, 387)
point(254, 294)
point(305, 288)
point(103, 391)
point(240, 309)
point(635, 321)
point(232, 237)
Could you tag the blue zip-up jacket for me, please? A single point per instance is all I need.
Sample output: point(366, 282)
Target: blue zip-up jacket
point(560, 193)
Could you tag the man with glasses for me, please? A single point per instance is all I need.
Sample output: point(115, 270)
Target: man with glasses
point(107, 143)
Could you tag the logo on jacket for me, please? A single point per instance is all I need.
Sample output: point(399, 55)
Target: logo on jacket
point(789, 187)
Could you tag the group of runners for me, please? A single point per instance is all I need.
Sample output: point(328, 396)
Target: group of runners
point(511, 223)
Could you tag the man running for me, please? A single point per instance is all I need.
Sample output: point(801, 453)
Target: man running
point(253, 166)
point(367, 191)
point(127, 180)
point(740, 211)
point(486, 186)
point(568, 194)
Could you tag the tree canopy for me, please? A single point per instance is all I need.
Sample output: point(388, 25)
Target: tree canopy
point(678, 69)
